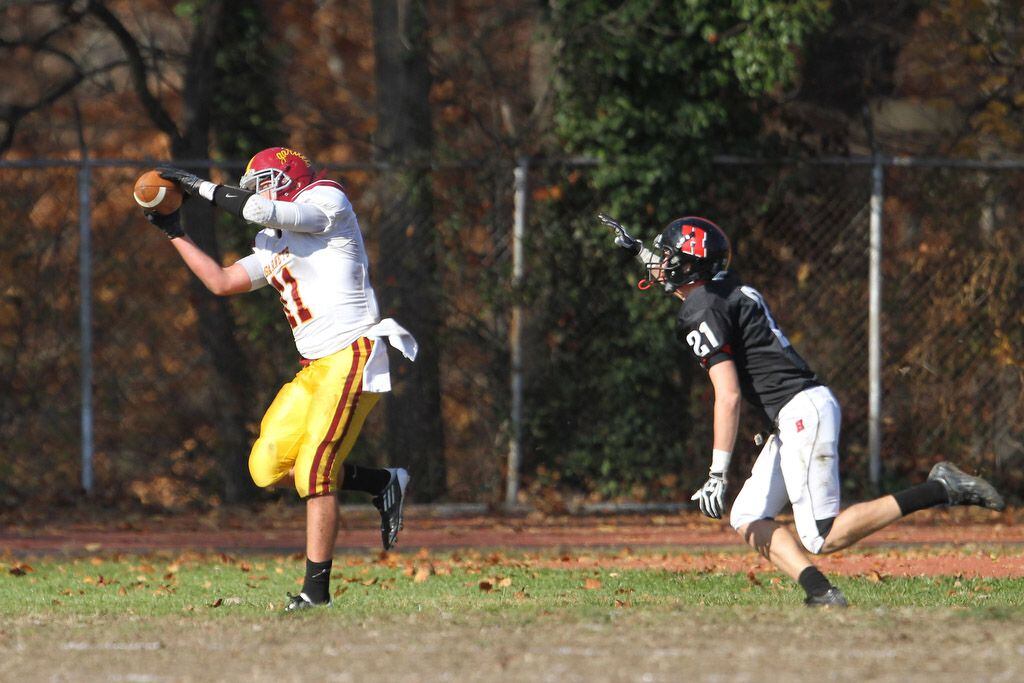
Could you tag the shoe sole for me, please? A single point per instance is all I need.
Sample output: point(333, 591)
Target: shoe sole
point(991, 499)
point(403, 483)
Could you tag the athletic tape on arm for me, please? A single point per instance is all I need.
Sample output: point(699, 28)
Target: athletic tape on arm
point(254, 269)
point(645, 256)
point(720, 461)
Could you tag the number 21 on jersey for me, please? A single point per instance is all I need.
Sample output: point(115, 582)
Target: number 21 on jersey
point(696, 340)
point(286, 284)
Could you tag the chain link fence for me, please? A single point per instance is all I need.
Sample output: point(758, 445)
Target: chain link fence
point(950, 335)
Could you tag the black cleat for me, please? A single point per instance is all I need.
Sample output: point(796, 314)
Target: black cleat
point(302, 601)
point(964, 489)
point(390, 502)
point(833, 597)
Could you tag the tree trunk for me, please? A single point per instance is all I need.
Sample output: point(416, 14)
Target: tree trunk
point(408, 277)
point(233, 382)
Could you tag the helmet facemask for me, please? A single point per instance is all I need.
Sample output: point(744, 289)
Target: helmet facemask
point(671, 267)
point(273, 179)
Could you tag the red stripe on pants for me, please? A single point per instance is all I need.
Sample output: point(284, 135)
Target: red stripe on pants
point(348, 418)
point(353, 371)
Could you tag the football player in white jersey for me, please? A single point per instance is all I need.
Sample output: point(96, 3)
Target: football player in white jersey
point(733, 335)
point(310, 249)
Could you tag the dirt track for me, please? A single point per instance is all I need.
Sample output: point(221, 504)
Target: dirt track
point(701, 644)
point(959, 541)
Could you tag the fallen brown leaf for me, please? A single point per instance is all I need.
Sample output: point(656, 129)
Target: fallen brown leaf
point(876, 576)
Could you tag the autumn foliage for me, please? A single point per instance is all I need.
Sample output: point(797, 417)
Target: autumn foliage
point(649, 92)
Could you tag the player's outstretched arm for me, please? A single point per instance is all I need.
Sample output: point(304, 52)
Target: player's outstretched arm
point(231, 199)
point(222, 281)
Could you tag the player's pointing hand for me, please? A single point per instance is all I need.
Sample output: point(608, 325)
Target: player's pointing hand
point(622, 238)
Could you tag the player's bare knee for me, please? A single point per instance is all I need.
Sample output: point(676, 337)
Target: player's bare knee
point(831, 545)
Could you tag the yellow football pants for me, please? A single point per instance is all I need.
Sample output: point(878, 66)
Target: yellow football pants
point(313, 423)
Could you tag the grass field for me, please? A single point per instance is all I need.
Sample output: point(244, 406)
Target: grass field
point(489, 616)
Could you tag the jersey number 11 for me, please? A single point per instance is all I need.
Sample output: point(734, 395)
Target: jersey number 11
point(288, 287)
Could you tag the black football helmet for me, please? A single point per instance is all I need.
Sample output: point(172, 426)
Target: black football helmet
point(690, 249)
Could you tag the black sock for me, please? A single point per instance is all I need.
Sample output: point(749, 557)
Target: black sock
point(367, 479)
point(814, 582)
point(926, 495)
point(317, 585)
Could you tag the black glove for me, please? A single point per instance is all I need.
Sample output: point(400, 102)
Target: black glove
point(169, 223)
point(622, 238)
point(189, 182)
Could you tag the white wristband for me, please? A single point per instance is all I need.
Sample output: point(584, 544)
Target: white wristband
point(206, 189)
point(720, 461)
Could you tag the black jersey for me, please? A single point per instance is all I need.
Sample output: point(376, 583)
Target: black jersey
point(727, 320)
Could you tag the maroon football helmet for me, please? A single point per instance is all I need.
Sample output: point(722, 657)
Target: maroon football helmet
point(283, 171)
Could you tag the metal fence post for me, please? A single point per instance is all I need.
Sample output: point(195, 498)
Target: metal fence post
point(875, 326)
point(85, 316)
point(515, 453)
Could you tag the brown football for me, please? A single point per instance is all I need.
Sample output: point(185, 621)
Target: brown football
point(154, 193)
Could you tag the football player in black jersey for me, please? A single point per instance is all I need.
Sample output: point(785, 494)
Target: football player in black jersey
point(731, 332)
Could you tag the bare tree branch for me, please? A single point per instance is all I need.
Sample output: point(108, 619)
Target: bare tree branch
point(137, 68)
point(13, 114)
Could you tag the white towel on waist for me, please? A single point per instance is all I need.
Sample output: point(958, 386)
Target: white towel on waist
point(377, 372)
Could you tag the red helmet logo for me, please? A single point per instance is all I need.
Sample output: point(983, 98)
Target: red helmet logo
point(694, 241)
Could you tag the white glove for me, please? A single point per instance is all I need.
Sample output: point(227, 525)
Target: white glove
point(711, 496)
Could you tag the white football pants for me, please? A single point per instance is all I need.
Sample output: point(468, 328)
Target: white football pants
point(799, 464)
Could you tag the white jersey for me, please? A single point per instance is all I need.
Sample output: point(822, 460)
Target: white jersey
point(323, 276)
